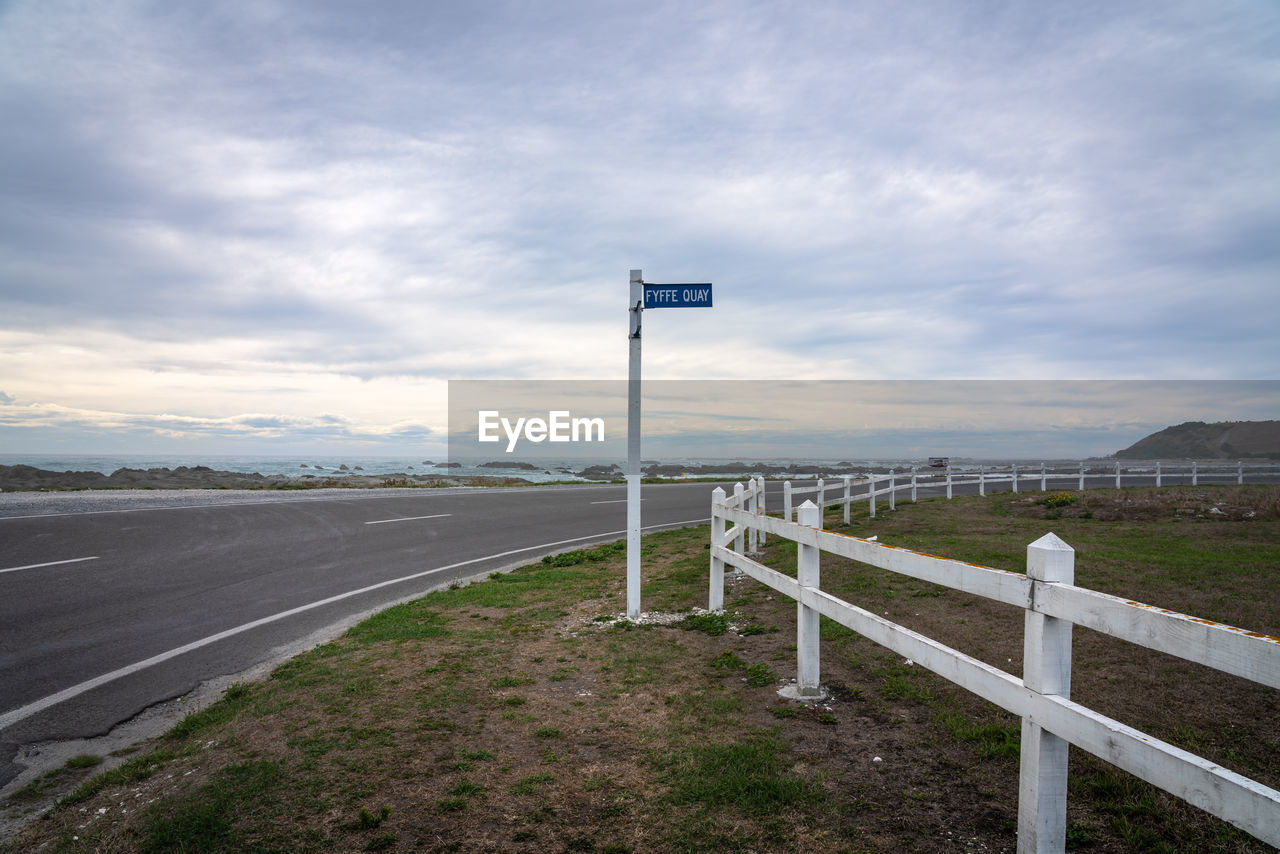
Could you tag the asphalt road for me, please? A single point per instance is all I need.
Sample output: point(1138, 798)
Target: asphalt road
point(113, 602)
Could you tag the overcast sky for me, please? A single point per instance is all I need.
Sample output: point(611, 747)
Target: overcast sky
point(269, 226)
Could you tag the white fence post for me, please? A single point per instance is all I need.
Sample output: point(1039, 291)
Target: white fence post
point(808, 563)
point(982, 480)
point(1117, 475)
point(786, 500)
point(1015, 480)
point(821, 495)
point(913, 484)
point(1046, 669)
point(763, 505)
point(1082, 477)
point(715, 602)
point(737, 502)
point(1239, 472)
point(1195, 473)
point(846, 499)
point(871, 493)
point(1043, 480)
point(948, 483)
point(893, 488)
point(1158, 477)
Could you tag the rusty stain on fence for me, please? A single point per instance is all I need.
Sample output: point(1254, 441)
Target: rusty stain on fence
point(1204, 622)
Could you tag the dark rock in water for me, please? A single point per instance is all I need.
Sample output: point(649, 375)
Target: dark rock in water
point(658, 470)
point(511, 465)
point(610, 472)
point(343, 467)
point(361, 468)
point(304, 466)
point(448, 465)
point(427, 463)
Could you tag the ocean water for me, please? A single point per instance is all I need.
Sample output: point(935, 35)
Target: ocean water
point(546, 470)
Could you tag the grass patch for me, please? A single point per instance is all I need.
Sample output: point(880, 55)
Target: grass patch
point(750, 775)
point(84, 760)
point(207, 818)
point(711, 624)
point(410, 621)
point(760, 675)
point(138, 768)
point(532, 784)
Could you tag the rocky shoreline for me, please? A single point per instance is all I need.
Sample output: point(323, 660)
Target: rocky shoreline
point(22, 478)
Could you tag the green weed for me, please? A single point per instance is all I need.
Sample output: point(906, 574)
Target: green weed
point(750, 775)
point(206, 819)
point(760, 675)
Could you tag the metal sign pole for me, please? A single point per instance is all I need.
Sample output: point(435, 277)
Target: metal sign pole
point(634, 307)
point(654, 296)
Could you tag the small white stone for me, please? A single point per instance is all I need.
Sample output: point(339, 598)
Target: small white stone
point(877, 759)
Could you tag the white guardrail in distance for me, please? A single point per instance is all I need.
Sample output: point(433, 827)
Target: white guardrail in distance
point(1052, 606)
point(1096, 475)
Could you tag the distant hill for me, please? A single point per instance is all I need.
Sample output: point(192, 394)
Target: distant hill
point(1196, 440)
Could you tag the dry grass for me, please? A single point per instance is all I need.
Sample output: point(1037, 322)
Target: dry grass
point(515, 715)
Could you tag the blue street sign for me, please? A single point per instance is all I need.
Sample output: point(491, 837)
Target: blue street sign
point(677, 296)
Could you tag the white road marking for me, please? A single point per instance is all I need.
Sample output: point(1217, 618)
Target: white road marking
point(409, 519)
point(615, 501)
point(11, 717)
point(50, 563)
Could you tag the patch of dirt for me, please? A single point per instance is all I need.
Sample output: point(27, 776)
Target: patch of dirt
point(1189, 503)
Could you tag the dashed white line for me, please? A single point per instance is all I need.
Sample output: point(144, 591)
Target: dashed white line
point(408, 519)
point(615, 501)
point(50, 563)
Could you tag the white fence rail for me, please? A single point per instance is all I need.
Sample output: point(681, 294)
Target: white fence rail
point(846, 489)
point(1052, 606)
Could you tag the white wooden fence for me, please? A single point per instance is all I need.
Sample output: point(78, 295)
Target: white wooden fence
point(1052, 605)
point(872, 487)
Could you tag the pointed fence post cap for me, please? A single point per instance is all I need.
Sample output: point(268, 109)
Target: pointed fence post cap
point(1051, 559)
point(1051, 541)
point(808, 514)
point(718, 492)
